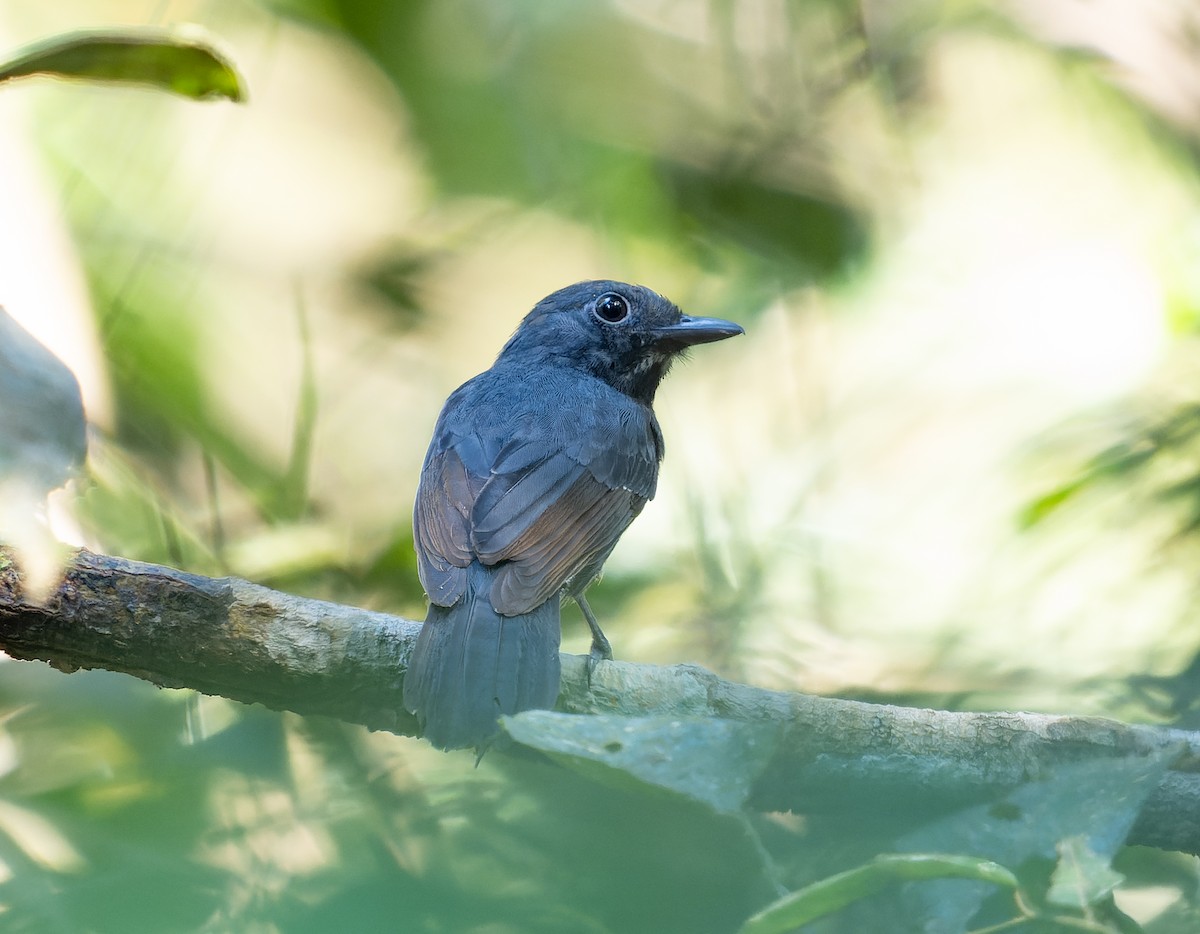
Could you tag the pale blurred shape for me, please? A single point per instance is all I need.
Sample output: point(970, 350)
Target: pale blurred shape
point(43, 443)
point(207, 715)
point(39, 839)
point(259, 837)
point(1151, 44)
point(1087, 316)
point(39, 554)
point(41, 280)
point(10, 757)
point(43, 437)
point(310, 176)
point(1146, 902)
point(288, 549)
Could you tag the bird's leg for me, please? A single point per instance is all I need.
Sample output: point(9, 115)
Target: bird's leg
point(601, 649)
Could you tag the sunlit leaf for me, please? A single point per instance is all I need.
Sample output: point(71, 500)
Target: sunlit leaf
point(836, 892)
point(182, 63)
point(1081, 877)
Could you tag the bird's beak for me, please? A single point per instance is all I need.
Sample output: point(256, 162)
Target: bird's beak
point(688, 331)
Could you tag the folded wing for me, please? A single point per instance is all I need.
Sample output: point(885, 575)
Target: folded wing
point(542, 512)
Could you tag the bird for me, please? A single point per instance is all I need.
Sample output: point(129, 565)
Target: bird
point(535, 469)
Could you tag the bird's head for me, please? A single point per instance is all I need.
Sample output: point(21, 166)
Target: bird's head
point(626, 335)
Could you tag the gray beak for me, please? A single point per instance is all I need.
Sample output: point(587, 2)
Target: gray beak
point(688, 331)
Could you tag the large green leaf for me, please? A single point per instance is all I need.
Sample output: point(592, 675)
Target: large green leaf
point(714, 762)
point(1096, 801)
point(183, 63)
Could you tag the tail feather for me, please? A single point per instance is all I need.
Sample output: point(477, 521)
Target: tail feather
point(470, 665)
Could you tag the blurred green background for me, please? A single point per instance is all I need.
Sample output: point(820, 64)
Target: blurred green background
point(952, 463)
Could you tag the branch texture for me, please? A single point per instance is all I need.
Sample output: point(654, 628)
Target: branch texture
point(246, 642)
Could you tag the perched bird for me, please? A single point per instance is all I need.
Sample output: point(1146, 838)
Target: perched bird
point(535, 469)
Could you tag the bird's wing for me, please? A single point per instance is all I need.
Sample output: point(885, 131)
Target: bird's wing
point(543, 519)
point(546, 500)
point(441, 524)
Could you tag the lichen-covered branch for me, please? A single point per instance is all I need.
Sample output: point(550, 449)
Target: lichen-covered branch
point(246, 642)
point(221, 636)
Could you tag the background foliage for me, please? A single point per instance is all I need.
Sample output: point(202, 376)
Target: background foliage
point(952, 462)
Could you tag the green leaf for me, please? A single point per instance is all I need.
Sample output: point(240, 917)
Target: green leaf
point(714, 762)
point(182, 63)
point(1097, 799)
point(1082, 878)
point(836, 892)
point(1042, 507)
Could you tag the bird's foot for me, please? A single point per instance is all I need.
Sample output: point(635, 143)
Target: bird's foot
point(601, 651)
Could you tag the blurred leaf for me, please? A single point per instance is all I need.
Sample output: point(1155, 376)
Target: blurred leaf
point(123, 504)
point(1118, 463)
point(562, 99)
point(1096, 801)
point(39, 839)
point(1048, 503)
point(836, 892)
point(291, 497)
point(1081, 877)
point(181, 63)
point(798, 234)
point(714, 762)
point(320, 12)
point(633, 857)
point(395, 278)
point(393, 569)
point(151, 339)
point(1146, 446)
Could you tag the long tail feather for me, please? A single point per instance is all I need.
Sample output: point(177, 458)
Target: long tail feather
point(471, 665)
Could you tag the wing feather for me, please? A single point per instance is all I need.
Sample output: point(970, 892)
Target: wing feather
point(562, 543)
point(541, 492)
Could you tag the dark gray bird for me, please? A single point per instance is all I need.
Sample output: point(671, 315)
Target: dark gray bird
point(535, 469)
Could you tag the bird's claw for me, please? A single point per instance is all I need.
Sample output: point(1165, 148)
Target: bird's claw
point(601, 651)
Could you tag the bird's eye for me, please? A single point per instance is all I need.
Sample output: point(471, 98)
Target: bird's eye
point(612, 308)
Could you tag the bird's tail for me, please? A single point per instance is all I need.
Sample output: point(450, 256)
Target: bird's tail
point(471, 665)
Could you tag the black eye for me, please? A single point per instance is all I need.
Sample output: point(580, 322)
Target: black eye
point(612, 308)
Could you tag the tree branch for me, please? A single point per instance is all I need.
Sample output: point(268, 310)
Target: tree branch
point(246, 642)
point(221, 636)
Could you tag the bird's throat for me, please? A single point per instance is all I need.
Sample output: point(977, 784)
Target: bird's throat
point(640, 380)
